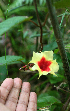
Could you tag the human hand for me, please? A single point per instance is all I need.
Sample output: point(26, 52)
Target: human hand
point(10, 99)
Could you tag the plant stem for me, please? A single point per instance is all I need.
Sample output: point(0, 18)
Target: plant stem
point(36, 44)
point(37, 13)
point(59, 40)
point(45, 20)
point(66, 104)
point(39, 24)
point(33, 23)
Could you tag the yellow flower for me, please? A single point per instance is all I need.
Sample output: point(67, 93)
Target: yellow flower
point(44, 63)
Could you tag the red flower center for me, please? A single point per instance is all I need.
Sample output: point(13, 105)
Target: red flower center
point(44, 64)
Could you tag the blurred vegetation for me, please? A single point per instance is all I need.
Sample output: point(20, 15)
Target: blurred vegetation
point(19, 37)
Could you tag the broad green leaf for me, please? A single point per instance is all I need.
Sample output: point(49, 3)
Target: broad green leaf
point(16, 3)
point(37, 35)
point(67, 46)
point(54, 93)
point(3, 73)
point(46, 100)
point(11, 22)
point(55, 106)
point(50, 46)
point(62, 4)
point(55, 79)
point(61, 70)
point(52, 108)
point(25, 10)
point(10, 60)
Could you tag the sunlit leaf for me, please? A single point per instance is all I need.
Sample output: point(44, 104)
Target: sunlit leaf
point(10, 60)
point(11, 22)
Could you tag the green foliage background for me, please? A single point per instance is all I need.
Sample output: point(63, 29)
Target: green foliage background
point(19, 38)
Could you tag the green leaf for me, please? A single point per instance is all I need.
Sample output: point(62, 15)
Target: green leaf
point(67, 46)
point(46, 100)
point(15, 3)
point(25, 9)
point(37, 35)
point(55, 79)
point(54, 93)
point(55, 106)
point(11, 22)
point(10, 60)
point(56, 51)
point(68, 55)
point(25, 34)
point(50, 46)
point(3, 73)
point(62, 4)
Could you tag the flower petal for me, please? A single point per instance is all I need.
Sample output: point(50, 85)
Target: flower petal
point(48, 55)
point(54, 66)
point(36, 57)
point(44, 63)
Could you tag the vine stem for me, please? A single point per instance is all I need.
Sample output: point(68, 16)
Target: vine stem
point(59, 40)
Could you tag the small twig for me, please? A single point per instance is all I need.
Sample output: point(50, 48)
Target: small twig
point(41, 38)
point(68, 109)
point(36, 44)
point(64, 90)
point(34, 23)
point(37, 13)
point(39, 24)
point(45, 20)
point(45, 89)
point(66, 104)
point(22, 62)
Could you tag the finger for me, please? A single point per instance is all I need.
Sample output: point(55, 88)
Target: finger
point(14, 94)
point(32, 106)
point(3, 107)
point(0, 96)
point(24, 97)
point(5, 88)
